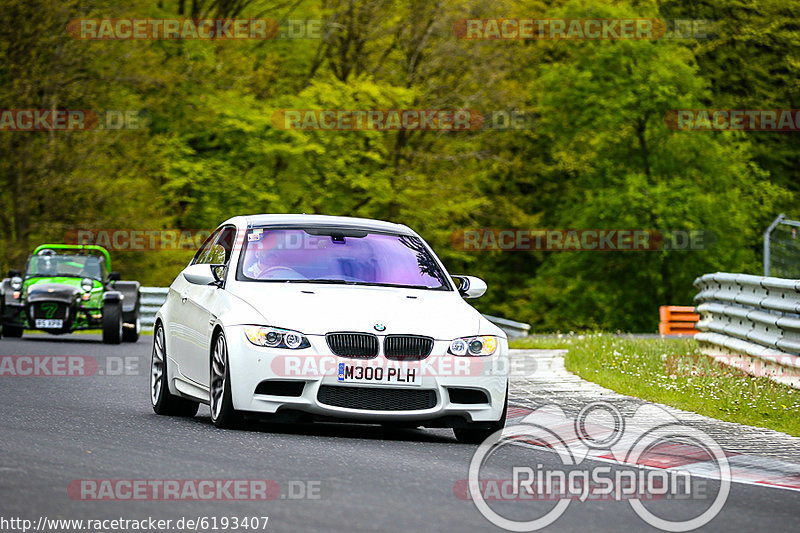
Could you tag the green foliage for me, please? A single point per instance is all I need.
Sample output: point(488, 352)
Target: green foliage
point(598, 156)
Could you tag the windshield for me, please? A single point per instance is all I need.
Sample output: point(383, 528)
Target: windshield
point(78, 266)
point(339, 256)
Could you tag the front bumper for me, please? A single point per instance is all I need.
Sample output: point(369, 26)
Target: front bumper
point(78, 319)
point(316, 368)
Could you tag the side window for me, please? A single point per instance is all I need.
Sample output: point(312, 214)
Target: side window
point(216, 255)
point(220, 253)
point(202, 253)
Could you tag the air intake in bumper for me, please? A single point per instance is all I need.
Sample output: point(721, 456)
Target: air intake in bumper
point(374, 399)
point(276, 387)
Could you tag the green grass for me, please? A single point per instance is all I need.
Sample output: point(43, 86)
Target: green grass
point(553, 341)
point(674, 372)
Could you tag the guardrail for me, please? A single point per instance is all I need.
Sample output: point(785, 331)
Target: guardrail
point(151, 299)
point(751, 322)
point(512, 328)
point(154, 297)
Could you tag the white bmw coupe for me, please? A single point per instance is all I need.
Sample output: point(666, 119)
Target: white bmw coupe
point(309, 317)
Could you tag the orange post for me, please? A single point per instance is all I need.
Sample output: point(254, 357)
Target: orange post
point(677, 320)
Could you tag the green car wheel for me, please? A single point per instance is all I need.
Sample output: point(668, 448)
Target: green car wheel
point(112, 323)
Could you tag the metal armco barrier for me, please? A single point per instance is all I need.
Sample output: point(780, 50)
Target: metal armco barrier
point(513, 329)
point(677, 320)
point(152, 298)
point(751, 322)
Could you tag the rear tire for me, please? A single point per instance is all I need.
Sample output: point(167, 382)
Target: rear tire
point(470, 435)
point(132, 334)
point(223, 415)
point(164, 402)
point(112, 323)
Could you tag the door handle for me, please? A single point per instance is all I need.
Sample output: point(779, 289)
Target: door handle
point(184, 296)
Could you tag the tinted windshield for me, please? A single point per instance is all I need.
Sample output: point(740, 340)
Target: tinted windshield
point(345, 256)
point(80, 266)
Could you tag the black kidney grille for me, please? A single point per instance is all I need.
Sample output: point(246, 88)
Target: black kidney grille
point(407, 347)
point(355, 345)
point(374, 399)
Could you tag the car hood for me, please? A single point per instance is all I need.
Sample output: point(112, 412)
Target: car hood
point(52, 292)
point(316, 309)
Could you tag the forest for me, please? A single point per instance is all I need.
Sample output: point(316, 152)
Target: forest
point(528, 135)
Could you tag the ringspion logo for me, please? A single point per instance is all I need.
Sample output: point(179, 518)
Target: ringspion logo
point(642, 450)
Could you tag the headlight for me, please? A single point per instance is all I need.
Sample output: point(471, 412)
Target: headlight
point(473, 346)
point(87, 284)
point(276, 337)
point(16, 283)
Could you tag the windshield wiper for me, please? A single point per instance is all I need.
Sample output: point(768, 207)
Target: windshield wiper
point(328, 281)
point(363, 283)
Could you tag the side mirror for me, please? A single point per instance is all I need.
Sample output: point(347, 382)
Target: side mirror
point(14, 273)
point(114, 276)
point(200, 275)
point(470, 286)
point(16, 283)
point(219, 271)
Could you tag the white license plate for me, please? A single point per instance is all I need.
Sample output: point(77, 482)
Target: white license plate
point(49, 323)
point(402, 374)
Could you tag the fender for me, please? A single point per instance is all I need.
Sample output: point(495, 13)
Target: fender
point(112, 296)
point(130, 293)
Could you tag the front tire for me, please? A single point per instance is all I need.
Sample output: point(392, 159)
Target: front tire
point(470, 435)
point(223, 415)
point(164, 402)
point(12, 332)
point(112, 322)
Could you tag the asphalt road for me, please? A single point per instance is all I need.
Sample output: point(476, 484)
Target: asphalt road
point(55, 430)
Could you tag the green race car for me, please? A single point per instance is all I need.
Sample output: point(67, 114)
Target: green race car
point(68, 288)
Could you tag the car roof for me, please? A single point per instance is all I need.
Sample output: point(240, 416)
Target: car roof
point(248, 221)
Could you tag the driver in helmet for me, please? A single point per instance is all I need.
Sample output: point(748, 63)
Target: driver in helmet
point(46, 265)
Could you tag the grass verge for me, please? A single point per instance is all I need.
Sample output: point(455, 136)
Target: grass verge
point(674, 372)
